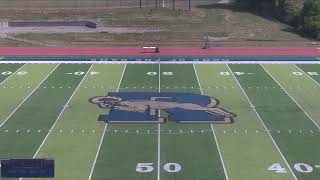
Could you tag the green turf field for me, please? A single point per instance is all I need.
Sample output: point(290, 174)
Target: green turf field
point(45, 113)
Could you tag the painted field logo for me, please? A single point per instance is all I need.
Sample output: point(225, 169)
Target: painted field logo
point(144, 107)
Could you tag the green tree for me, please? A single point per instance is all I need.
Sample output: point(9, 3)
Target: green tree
point(311, 18)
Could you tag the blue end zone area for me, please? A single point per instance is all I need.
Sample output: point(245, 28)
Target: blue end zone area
point(163, 59)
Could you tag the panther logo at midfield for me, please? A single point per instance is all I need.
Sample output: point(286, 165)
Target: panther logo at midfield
point(144, 107)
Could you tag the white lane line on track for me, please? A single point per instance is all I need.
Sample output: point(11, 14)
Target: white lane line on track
point(307, 75)
point(104, 131)
point(265, 127)
point(291, 97)
point(27, 97)
point(213, 133)
point(159, 129)
point(12, 75)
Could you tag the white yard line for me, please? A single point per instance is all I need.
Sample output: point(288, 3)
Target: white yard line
point(54, 124)
point(159, 128)
point(58, 118)
point(11, 75)
point(291, 98)
point(264, 126)
point(308, 75)
point(213, 133)
point(27, 97)
point(104, 131)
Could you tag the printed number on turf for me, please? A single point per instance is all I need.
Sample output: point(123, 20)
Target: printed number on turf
point(277, 168)
point(20, 73)
point(235, 73)
point(172, 167)
point(144, 167)
point(148, 167)
point(303, 168)
point(309, 73)
point(163, 73)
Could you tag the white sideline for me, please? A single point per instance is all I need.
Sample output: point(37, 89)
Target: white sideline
point(264, 126)
point(12, 75)
point(291, 98)
point(27, 97)
point(213, 133)
point(308, 75)
point(165, 62)
point(104, 131)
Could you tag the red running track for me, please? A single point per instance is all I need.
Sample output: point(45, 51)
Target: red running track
point(168, 51)
point(201, 43)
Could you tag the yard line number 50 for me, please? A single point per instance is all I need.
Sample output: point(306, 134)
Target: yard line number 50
point(148, 167)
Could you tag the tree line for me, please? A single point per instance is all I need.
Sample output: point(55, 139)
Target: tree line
point(304, 15)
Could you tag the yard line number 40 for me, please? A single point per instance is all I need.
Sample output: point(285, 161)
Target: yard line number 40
point(300, 167)
point(148, 167)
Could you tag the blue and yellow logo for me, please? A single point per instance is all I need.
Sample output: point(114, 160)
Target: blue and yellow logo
point(145, 107)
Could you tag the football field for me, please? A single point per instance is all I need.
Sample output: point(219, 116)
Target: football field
point(274, 134)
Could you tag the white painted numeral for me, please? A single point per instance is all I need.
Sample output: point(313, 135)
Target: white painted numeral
point(79, 73)
point(144, 167)
point(297, 73)
point(148, 167)
point(6, 73)
point(303, 168)
point(167, 73)
point(277, 168)
point(172, 167)
point(163, 73)
point(152, 73)
point(239, 73)
point(22, 73)
point(313, 73)
point(225, 73)
point(92, 73)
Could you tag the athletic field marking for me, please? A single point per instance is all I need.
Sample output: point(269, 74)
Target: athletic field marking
point(308, 75)
point(318, 58)
point(27, 97)
point(291, 97)
point(168, 132)
point(265, 127)
point(213, 133)
point(104, 131)
point(165, 62)
point(62, 111)
point(143, 87)
point(159, 129)
point(11, 75)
